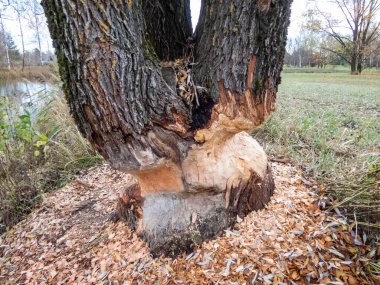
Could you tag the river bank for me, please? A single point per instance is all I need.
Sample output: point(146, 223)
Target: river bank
point(43, 74)
point(40, 147)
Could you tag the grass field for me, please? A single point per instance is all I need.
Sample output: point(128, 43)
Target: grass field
point(330, 125)
point(345, 69)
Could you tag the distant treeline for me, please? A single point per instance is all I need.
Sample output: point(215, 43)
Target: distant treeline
point(11, 57)
point(29, 21)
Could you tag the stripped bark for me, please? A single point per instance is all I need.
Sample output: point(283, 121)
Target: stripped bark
point(196, 166)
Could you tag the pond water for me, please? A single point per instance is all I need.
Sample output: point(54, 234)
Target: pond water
point(25, 96)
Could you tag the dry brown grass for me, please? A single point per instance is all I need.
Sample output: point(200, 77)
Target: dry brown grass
point(45, 73)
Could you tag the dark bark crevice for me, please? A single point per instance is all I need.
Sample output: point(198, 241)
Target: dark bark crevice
point(168, 26)
point(201, 115)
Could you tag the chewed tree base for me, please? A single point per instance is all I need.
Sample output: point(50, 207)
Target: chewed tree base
point(175, 221)
point(181, 134)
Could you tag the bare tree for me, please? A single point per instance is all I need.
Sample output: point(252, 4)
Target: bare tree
point(298, 49)
point(36, 19)
point(374, 54)
point(19, 8)
point(303, 46)
point(4, 41)
point(355, 28)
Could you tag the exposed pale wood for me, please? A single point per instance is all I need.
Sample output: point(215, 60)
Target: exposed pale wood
point(223, 162)
point(222, 178)
point(166, 177)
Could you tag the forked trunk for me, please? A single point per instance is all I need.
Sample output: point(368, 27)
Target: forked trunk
point(355, 65)
point(174, 108)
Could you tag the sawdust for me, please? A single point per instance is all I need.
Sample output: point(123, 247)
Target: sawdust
point(71, 239)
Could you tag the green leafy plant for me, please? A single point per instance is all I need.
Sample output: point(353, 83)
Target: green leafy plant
point(39, 151)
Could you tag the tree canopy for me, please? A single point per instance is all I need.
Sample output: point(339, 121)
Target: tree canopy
point(354, 27)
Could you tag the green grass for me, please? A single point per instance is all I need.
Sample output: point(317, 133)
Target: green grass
point(329, 124)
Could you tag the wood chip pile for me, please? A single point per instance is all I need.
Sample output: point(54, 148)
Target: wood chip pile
point(70, 239)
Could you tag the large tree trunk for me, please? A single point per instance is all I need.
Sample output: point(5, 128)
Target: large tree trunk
point(195, 165)
point(354, 65)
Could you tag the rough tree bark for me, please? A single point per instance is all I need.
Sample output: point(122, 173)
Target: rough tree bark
point(196, 166)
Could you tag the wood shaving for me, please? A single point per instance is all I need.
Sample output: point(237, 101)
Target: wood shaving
point(70, 239)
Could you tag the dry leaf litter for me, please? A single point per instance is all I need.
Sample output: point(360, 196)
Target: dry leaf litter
point(70, 239)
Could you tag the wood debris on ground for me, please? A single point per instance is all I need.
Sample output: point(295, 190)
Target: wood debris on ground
point(71, 239)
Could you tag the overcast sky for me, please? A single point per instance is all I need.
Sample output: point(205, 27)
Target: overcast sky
point(11, 25)
point(298, 8)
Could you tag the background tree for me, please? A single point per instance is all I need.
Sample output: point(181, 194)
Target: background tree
point(172, 108)
point(289, 51)
point(19, 8)
point(354, 30)
point(374, 54)
point(3, 41)
point(14, 54)
point(304, 50)
point(299, 51)
point(36, 20)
